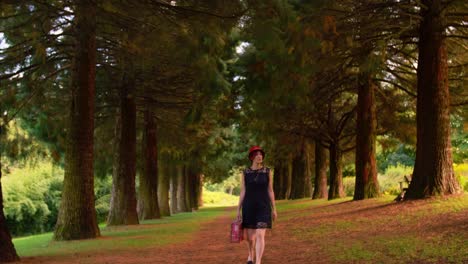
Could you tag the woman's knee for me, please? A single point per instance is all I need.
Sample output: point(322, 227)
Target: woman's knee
point(260, 233)
point(251, 235)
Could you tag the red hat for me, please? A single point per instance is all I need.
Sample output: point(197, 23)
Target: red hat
point(256, 148)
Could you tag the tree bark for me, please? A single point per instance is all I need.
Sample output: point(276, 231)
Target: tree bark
point(173, 188)
point(367, 185)
point(181, 201)
point(163, 189)
point(193, 185)
point(278, 178)
point(336, 175)
point(320, 182)
point(148, 194)
point(77, 215)
point(433, 170)
point(298, 174)
point(7, 249)
point(308, 173)
point(288, 178)
point(123, 207)
point(200, 190)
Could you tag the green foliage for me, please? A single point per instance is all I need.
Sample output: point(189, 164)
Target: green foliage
point(31, 198)
point(390, 181)
point(459, 139)
point(215, 199)
point(349, 170)
point(102, 190)
point(401, 154)
point(461, 173)
point(348, 185)
point(230, 185)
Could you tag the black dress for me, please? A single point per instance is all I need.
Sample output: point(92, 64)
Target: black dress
point(256, 207)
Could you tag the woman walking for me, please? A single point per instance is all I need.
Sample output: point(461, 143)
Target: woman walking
point(257, 203)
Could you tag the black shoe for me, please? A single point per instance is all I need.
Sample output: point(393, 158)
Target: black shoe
point(249, 262)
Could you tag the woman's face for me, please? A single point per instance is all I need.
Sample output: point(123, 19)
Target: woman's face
point(257, 157)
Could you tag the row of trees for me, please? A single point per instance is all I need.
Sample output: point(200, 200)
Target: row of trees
point(334, 75)
point(91, 78)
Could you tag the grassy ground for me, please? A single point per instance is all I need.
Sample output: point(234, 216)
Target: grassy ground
point(175, 229)
point(381, 231)
point(339, 231)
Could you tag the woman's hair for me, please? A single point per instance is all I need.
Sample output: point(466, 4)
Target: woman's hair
point(254, 153)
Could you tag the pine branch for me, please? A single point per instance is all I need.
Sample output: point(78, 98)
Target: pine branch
point(398, 86)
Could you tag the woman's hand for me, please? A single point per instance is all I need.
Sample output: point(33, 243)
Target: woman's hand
point(239, 217)
point(275, 215)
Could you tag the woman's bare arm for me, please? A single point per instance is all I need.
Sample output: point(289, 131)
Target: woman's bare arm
point(241, 197)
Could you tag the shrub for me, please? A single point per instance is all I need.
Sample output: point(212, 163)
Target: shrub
point(218, 199)
point(102, 190)
point(31, 198)
point(348, 185)
point(461, 173)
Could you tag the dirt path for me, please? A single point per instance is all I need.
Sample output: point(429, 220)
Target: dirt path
point(210, 245)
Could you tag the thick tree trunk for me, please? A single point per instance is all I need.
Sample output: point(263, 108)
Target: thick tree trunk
point(367, 185)
point(200, 190)
point(278, 178)
point(336, 175)
point(320, 182)
point(148, 194)
point(298, 175)
point(77, 215)
point(163, 189)
point(308, 170)
point(173, 188)
point(288, 177)
point(7, 249)
point(123, 205)
point(193, 186)
point(433, 170)
point(181, 201)
point(188, 188)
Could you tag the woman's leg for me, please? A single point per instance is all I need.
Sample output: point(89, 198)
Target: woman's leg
point(260, 245)
point(251, 234)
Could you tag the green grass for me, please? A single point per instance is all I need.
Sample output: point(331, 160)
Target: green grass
point(381, 231)
point(175, 229)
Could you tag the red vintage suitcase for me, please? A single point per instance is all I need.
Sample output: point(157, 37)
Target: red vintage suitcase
point(237, 233)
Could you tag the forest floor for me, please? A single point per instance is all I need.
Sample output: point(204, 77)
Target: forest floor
point(340, 231)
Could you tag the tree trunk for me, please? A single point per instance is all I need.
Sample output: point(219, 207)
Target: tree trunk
point(336, 175)
point(149, 208)
point(308, 174)
point(367, 185)
point(123, 200)
point(298, 174)
point(320, 182)
point(7, 249)
point(288, 178)
point(278, 177)
point(173, 188)
point(200, 190)
point(181, 202)
point(163, 189)
point(433, 170)
point(77, 215)
point(193, 181)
